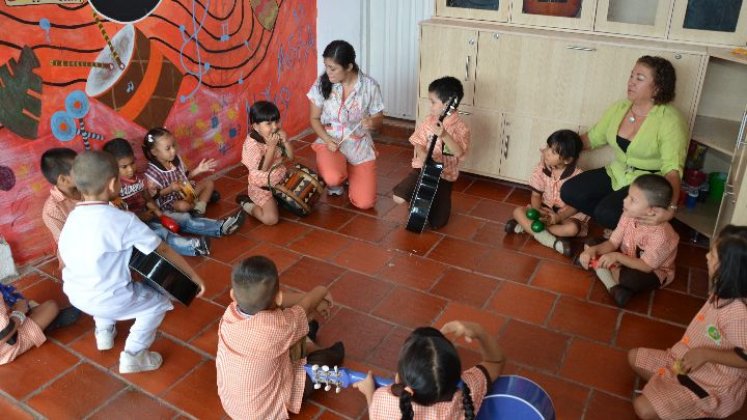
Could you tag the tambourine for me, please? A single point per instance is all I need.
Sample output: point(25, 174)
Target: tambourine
point(188, 191)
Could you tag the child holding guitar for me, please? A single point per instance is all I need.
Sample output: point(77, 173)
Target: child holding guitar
point(453, 138)
point(430, 383)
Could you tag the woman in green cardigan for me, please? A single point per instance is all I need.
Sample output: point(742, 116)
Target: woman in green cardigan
point(647, 134)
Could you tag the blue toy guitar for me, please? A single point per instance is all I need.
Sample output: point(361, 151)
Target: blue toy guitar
point(509, 397)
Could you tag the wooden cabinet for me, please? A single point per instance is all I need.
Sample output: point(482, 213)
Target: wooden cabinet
point(633, 17)
point(710, 21)
point(491, 10)
point(448, 51)
point(568, 14)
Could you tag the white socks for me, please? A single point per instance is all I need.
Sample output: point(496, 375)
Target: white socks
point(248, 207)
point(200, 207)
point(606, 277)
point(545, 238)
point(518, 229)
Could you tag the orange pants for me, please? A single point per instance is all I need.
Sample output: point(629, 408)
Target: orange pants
point(335, 169)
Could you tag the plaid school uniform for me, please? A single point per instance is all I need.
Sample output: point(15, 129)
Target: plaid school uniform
point(158, 179)
point(721, 328)
point(385, 405)
point(256, 377)
point(457, 129)
point(253, 156)
point(55, 211)
point(544, 182)
point(655, 245)
point(29, 335)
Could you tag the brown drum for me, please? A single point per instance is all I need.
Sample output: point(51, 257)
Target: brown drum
point(300, 190)
point(145, 90)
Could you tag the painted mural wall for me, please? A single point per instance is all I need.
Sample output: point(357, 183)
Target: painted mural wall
point(74, 74)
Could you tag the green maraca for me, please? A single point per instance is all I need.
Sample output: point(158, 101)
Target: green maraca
point(537, 225)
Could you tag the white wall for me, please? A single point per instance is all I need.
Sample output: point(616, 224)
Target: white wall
point(338, 19)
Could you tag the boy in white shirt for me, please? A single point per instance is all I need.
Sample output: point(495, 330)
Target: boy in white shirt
point(95, 247)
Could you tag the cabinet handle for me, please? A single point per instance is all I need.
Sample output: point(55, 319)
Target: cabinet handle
point(580, 48)
point(730, 193)
point(740, 136)
point(466, 69)
point(463, 112)
point(505, 149)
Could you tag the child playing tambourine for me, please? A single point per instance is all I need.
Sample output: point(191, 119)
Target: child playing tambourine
point(705, 373)
point(264, 149)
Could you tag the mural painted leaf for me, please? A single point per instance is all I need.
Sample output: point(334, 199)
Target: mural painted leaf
point(19, 110)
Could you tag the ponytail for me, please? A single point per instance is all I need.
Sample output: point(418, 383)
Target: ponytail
point(325, 86)
point(469, 406)
point(405, 405)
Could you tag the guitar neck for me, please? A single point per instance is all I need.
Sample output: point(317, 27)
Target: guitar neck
point(356, 376)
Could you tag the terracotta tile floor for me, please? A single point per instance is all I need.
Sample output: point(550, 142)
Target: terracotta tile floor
point(556, 324)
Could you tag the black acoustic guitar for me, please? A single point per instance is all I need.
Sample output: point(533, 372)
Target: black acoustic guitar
point(163, 276)
point(425, 191)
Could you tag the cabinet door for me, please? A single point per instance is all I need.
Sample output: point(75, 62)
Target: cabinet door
point(608, 75)
point(710, 21)
point(633, 17)
point(569, 14)
point(532, 75)
point(491, 10)
point(523, 137)
point(734, 202)
point(448, 52)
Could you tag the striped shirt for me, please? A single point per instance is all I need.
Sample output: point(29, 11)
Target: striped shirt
point(158, 179)
point(457, 129)
point(256, 377)
point(721, 328)
point(655, 245)
point(56, 209)
point(29, 335)
point(385, 405)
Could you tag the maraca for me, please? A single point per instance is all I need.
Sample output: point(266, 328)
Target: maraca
point(169, 223)
point(534, 215)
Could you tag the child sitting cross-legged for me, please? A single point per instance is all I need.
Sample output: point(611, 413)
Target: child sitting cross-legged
point(557, 165)
point(637, 257)
point(95, 248)
point(263, 344)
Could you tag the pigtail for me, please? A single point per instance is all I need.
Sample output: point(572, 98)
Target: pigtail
point(405, 405)
point(469, 406)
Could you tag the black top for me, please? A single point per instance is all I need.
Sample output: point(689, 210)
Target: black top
point(623, 143)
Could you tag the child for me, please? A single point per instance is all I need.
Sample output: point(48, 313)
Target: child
point(55, 165)
point(261, 339)
point(428, 375)
point(166, 178)
point(647, 252)
point(137, 200)
point(95, 246)
point(705, 373)
point(264, 148)
point(23, 327)
point(453, 139)
point(557, 165)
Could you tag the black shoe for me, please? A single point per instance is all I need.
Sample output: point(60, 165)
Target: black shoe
point(65, 318)
point(214, 197)
point(336, 352)
point(510, 226)
point(242, 199)
point(621, 295)
point(313, 329)
point(203, 247)
point(563, 246)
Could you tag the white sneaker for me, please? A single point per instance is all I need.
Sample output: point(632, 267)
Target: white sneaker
point(142, 361)
point(336, 191)
point(232, 223)
point(105, 338)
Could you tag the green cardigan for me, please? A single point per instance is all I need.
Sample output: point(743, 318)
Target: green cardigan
point(660, 144)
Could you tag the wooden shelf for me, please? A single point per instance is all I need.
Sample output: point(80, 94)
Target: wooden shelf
point(726, 54)
point(716, 133)
point(702, 218)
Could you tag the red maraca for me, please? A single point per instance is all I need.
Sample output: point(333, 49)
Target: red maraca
point(169, 223)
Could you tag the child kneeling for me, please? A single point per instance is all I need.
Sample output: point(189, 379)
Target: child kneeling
point(262, 344)
point(557, 165)
point(645, 260)
point(95, 247)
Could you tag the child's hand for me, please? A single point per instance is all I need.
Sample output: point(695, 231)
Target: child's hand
point(608, 260)
point(22, 305)
point(549, 217)
point(175, 186)
point(324, 308)
point(585, 258)
point(694, 359)
point(468, 330)
point(201, 283)
point(366, 386)
point(206, 165)
point(332, 146)
point(437, 129)
point(282, 136)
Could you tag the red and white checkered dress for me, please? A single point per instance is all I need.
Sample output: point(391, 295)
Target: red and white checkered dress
point(55, 211)
point(385, 405)
point(256, 378)
point(253, 155)
point(716, 328)
point(655, 245)
point(457, 129)
point(29, 335)
point(544, 182)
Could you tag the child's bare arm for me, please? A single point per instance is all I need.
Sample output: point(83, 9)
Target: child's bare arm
point(609, 259)
point(312, 299)
point(593, 251)
point(493, 359)
point(150, 204)
point(696, 357)
point(20, 309)
point(536, 200)
point(167, 252)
